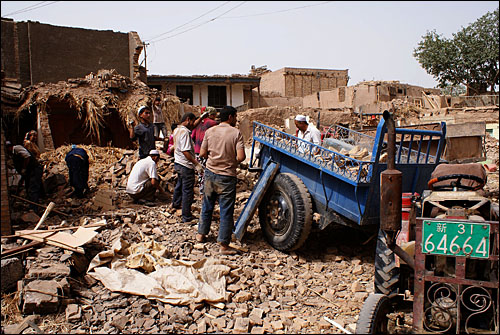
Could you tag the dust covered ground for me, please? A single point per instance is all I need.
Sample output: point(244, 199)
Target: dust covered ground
point(266, 291)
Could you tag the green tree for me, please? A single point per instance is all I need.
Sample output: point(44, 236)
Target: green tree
point(453, 90)
point(470, 58)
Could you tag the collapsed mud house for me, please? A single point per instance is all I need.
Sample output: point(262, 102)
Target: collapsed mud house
point(32, 55)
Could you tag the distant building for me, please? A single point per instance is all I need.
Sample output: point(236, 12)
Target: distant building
point(300, 82)
point(369, 95)
point(216, 91)
point(34, 52)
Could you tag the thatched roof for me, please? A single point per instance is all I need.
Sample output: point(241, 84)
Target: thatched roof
point(97, 94)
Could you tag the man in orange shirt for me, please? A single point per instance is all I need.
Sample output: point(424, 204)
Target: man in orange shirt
point(224, 149)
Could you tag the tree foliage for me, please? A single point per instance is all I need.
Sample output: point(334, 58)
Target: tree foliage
point(454, 90)
point(470, 58)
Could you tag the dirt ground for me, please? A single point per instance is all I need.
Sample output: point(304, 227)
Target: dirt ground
point(267, 291)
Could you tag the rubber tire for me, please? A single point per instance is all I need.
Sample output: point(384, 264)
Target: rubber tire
point(373, 316)
point(292, 190)
point(386, 279)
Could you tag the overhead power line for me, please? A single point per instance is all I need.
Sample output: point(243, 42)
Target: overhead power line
point(30, 8)
point(182, 25)
point(199, 25)
point(278, 11)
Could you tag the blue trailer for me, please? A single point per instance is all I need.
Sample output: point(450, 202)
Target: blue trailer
point(299, 178)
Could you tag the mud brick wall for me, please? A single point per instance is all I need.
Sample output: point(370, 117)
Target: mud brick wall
point(45, 53)
point(5, 211)
point(295, 82)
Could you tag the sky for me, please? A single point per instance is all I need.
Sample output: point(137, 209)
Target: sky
point(373, 40)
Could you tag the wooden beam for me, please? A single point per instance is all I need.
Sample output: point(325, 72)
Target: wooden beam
point(9, 252)
point(36, 204)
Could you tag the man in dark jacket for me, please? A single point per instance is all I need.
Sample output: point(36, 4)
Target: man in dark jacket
point(144, 132)
point(78, 166)
point(30, 170)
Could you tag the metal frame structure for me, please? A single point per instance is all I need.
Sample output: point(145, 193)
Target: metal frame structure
point(340, 184)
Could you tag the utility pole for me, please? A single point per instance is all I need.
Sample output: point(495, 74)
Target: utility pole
point(145, 61)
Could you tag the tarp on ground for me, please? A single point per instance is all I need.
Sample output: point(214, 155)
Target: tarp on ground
point(125, 268)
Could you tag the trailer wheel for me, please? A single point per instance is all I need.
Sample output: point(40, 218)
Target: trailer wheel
point(373, 316)
point(285, 213)
point(386, 271)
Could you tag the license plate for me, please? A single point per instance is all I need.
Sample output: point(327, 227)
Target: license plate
point(456, 239)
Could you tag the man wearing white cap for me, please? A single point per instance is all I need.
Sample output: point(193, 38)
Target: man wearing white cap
point(142, 182)
point(307, 132)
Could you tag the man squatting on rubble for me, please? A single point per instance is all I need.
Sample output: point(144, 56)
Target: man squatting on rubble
point(224, 149)
point(78, 167)
point(143, 182)
point(185, 164)
point(307, 132)
point(144, 131)
point(30, 170)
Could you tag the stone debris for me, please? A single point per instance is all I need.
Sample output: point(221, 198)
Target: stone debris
point(267, 291)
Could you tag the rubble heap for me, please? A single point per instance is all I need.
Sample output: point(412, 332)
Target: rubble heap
point(266, 290)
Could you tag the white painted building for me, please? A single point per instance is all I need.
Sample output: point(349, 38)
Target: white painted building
point(216, 91)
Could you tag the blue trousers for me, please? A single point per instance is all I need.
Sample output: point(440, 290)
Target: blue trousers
point(222, 188)
point(78, 174)
point(184, 191)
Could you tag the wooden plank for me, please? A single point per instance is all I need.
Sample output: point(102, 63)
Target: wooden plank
point(31, 232)
point(34, 244)
point(63, 240)
point(255, 198)
point(56, 244)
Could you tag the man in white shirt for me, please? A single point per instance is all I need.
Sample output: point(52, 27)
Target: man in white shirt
point(185, 164)
point(143, 182)
point(307, 132)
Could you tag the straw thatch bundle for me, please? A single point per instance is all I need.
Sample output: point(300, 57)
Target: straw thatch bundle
point(96, 94)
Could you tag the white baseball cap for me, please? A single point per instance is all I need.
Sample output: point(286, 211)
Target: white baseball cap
point(300, 118)
point(154, 152)
point(141, 109)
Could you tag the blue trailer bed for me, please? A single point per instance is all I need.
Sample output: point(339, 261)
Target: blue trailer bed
point(341, 189)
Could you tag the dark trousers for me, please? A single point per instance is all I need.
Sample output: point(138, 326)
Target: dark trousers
point(78, 174)
point(33, 184)
point(184, 191)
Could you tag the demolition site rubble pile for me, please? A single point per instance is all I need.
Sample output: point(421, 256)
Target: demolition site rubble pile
point(263, 290)
point(138, 269)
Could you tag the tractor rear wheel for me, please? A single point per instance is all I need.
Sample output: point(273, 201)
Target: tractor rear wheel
point(386, 271)
point(285, 213)
point(373, 316)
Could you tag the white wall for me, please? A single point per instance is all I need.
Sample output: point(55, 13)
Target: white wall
point(236, 100)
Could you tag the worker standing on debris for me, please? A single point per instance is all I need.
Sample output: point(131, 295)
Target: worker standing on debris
point(78, 167)
point(307, 132)
point(158, 120)
point(143, 181)
point(198, 134)
point(224, 149)
point(144, 131)
point(30, 143)
point(185, 164)
point(30, 170)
